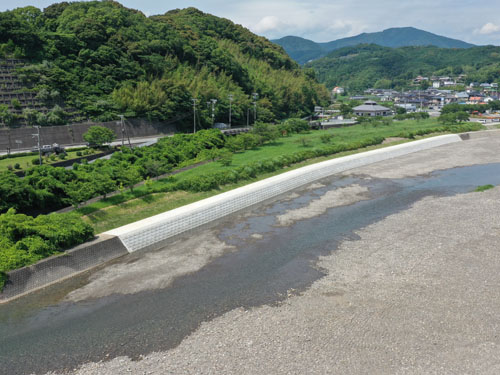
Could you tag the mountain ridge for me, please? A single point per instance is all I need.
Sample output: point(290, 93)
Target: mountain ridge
point(304, 50)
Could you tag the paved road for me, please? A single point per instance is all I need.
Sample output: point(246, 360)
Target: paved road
point(415, 293)
point(134, 141)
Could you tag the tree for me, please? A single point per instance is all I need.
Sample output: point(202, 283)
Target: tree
point(462, 116)
point(345, 109)
point(98, 135)
point(447, 118)
point(5, 115)
point(400, 110)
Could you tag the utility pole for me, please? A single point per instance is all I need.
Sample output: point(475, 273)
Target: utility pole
point(122, 124)
point(124, 132)
point(255, 96)
point(194, 114)
point(37, 135)
point(213, 101)
point(230, 97)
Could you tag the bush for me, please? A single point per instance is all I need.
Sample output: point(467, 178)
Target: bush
point(35, 161)
point(483, 188)
point(326, 138)
point(25, 240)
point(17, 166)
point(304, 141)
point(79, 153)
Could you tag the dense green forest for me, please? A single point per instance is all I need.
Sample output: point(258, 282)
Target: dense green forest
point(364, 66)
point(103, 59)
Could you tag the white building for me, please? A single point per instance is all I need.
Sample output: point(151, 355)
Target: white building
point(338, 90)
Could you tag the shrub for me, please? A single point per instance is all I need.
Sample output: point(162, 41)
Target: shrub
point(484, 188)
point(225, 157)
point(35, 161)
point(304, 141)
point(326, 138)
point(25, 240)
point(17, 166)
point(79, 153)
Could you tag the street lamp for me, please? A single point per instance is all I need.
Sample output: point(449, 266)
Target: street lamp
point(230, 97)
point(255, 96)
point(213, 101)
point(194, 114)
point(37, 135)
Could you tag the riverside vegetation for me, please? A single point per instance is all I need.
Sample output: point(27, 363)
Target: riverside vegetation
point(235, 161)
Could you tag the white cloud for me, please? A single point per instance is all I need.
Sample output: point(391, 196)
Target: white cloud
point(268, 24)
point(487, 29)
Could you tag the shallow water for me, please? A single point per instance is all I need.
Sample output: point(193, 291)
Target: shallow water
point(40, 333)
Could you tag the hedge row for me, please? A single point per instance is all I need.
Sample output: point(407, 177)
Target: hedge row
point(249, 171)
point(455, 128)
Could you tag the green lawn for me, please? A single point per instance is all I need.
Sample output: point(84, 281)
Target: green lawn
point(25, 161)
point(132, 206)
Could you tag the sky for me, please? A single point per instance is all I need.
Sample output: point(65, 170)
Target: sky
point(472, 21)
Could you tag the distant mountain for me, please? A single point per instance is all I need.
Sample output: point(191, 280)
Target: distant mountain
point(300, 49)
point(304, 50)
point(357, 68)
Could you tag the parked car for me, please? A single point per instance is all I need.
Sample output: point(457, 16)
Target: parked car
point(49, 149)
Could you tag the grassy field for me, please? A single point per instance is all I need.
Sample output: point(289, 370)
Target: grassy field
point(25, 162)
point(132, 206)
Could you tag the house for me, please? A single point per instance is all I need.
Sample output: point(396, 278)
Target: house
point(462, 95)
point(338, 90)
point(436, 84)
point(408, 107)
point(475, 100)
point(371, 108)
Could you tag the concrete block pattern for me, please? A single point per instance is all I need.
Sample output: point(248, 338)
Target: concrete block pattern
point(56, 268)
point(148, 232)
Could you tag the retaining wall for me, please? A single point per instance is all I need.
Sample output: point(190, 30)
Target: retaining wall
point(73, 134)
point(152, 231)
point(56, 268)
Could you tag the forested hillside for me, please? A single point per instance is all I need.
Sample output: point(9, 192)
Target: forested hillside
point(103, 59)
point(365, 66)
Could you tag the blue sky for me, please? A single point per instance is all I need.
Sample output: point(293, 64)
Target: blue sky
point(325, 20)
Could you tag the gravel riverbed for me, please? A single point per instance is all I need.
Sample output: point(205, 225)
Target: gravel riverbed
point(416, 293)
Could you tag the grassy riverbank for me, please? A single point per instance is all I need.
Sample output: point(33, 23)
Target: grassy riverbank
point(150, 200)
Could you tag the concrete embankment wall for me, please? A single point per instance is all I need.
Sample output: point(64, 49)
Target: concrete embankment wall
point(56, 268)
point(151, 232)
point(73, 134)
